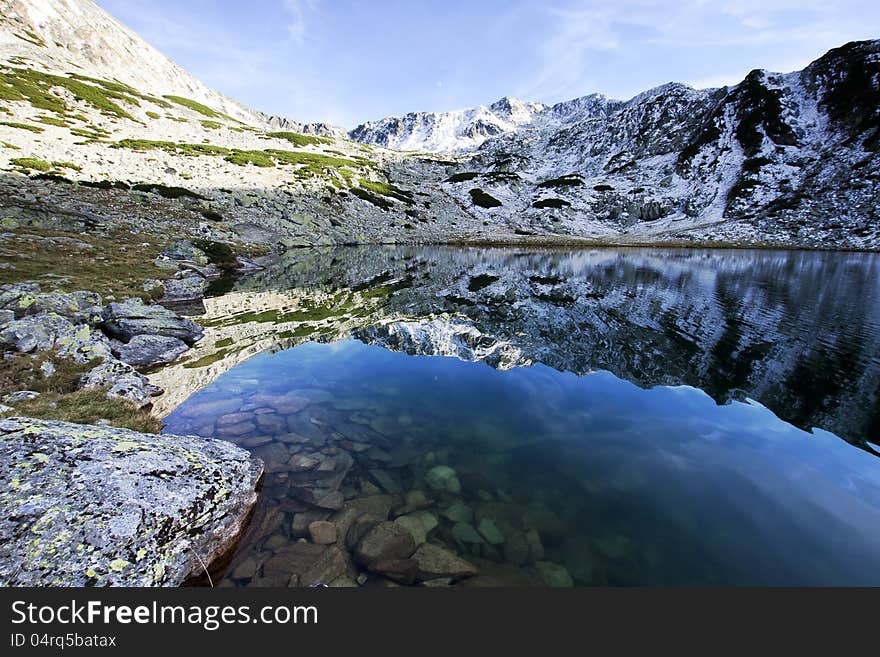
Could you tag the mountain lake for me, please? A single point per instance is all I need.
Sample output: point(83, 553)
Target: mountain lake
point(619, 416)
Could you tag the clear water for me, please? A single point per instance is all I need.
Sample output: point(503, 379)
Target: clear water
point(610, 461)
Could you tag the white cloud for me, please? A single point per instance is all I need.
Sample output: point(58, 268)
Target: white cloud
point(583, 33)
point(298, 14)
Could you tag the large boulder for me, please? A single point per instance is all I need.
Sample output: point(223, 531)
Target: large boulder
point(435, 562)
point(27, 299)
point(151, 350)
point(133, 317)
point(384, 541)
point(187, 288)
point(87, 505)
point(45, 331)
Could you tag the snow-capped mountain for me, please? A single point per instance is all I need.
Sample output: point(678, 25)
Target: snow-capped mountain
point(777, 157)
point(448, 131)
point(787, 159)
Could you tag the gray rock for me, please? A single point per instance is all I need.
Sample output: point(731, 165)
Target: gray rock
point(552, 574)
point(26, 299)
point(21, 395)
point(466, 533)
point(132, 317)
point(90, 505)
point(181, 251)
point(402, 571)
point(151, 350)
point(122, 380)
point(419, 524)
point(442, 477)
point(47, 368)
point(384, 541)
point(435, 562)
point(50, 331)
point(322, 532)
point(332, 564)
point(458, 512)
point(5, 409)
point(489, 530)
point(302, 520)
point(188, 288)
point(292, 559)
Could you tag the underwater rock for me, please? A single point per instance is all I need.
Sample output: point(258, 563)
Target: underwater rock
point(490, 532)
point(466, 533)
point(419, 524)
point(442, 477)
point(384, 541)
point(322, 532)
point(552, 574)
point(435, 562)
point(117, 507)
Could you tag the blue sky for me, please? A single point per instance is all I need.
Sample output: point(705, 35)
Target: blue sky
point(347, 61)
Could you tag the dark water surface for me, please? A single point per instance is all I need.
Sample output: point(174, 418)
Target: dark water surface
point(555, 418)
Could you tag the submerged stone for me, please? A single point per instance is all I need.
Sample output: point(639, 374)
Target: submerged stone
point(442, 477)
point(435, 562)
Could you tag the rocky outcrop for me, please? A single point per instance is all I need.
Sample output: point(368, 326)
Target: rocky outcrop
point(86, 505)
point(117, 338)
point(125, 320)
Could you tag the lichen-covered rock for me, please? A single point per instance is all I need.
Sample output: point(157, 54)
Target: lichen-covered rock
point(122, 380)
point(151, 350)
point(187, 288)
point(45, 331)
point(27, 299)
point(86, 505)
point(133, 317)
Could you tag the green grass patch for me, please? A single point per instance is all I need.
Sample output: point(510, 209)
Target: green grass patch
point(12, 147)
point(375, 199)
point(484, 200)
point(51, 120)
point(31, 163)
point(204, 110)
point(153, 115)
point(66, 165)
point(387, 189)
point(210, 125)
point(257, 158)
point(86, 407)
point(300, 140)
point(36, 87)
point(171, 147)
point(127, 261)
point(218, 253)
point(22, 126)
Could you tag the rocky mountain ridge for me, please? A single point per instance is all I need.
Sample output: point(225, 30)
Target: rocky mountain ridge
point(775, 160)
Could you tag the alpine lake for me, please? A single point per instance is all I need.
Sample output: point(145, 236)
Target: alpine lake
point(443, 416)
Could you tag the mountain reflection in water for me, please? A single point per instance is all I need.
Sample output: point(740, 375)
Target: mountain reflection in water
point(575, 438)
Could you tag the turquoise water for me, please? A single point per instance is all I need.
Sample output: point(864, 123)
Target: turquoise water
point(617, 484)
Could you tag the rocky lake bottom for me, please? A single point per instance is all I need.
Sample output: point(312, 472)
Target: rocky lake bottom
point(492, 418)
